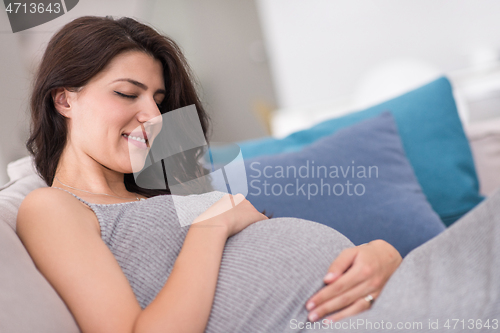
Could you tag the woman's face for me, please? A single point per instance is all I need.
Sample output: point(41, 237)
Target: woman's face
point(114, 118)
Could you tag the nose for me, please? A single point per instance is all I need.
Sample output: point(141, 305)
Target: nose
point(148, 111)
point(151, 118)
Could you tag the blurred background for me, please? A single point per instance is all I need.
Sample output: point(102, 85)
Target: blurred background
point(270, 67)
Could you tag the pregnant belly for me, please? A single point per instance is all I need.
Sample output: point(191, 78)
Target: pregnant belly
point(268, 272)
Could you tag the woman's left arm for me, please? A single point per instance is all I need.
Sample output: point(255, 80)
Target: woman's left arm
point(356, 273)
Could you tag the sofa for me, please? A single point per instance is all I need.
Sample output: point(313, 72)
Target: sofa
point(29, 304)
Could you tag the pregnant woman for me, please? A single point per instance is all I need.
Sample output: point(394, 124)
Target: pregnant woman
point(116, 253)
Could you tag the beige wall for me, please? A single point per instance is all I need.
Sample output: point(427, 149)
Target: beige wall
point(14, 84)
point(221, 39)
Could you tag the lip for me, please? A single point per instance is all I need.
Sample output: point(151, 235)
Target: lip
point(139, 134)
point(142, 145)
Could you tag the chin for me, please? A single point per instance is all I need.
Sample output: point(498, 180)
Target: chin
point(124, 165)
point(136, 160)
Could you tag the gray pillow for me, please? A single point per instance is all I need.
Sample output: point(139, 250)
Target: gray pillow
point(381, 199)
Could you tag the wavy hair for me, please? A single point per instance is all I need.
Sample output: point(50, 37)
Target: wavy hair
point(79, 51)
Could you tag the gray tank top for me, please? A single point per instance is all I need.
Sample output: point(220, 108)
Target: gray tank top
point(268, 271)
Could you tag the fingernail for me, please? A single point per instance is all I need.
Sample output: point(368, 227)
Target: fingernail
point(313, 316)
point(329, 276)
point(310, 305)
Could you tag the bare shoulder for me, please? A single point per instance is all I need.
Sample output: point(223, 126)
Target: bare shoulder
point(47, 205)
point(48, 195)
point(57, 231)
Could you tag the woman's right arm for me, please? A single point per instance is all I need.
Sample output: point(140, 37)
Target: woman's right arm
point(69, 252)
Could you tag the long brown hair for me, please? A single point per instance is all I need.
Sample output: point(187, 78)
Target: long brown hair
point(79, 51)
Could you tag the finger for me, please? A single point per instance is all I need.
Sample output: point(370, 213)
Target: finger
point(353, 277)
point(357, 307)
point(333, 290)
point(344, 300)
point(237, 198)
point(360, 271)
point(232, 200)
point(343, 261)
point(356, 273)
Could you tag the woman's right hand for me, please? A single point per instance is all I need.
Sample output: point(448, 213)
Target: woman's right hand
point(233, 212)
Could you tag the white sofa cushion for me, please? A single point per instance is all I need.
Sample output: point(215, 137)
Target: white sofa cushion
point(484, 139)
point(28, 303)
point(23, 180)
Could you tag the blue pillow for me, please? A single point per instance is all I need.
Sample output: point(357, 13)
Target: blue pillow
point(364, 186)
point(432, 136)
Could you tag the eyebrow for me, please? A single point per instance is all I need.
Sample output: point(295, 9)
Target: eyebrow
point(141, 85)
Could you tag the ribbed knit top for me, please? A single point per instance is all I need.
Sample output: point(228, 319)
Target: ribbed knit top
point(268, 271)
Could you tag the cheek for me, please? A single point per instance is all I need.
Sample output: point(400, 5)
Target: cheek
point(106, 115)
point(86, 126)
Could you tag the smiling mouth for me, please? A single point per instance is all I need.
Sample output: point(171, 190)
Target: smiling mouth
point(136, 140)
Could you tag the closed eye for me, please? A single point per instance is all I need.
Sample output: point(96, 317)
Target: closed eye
point(124, 95)
point(134, 96)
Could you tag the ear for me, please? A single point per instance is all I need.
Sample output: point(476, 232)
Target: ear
point(60, 96)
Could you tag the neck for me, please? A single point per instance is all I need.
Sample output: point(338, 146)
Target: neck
point(80, 171)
